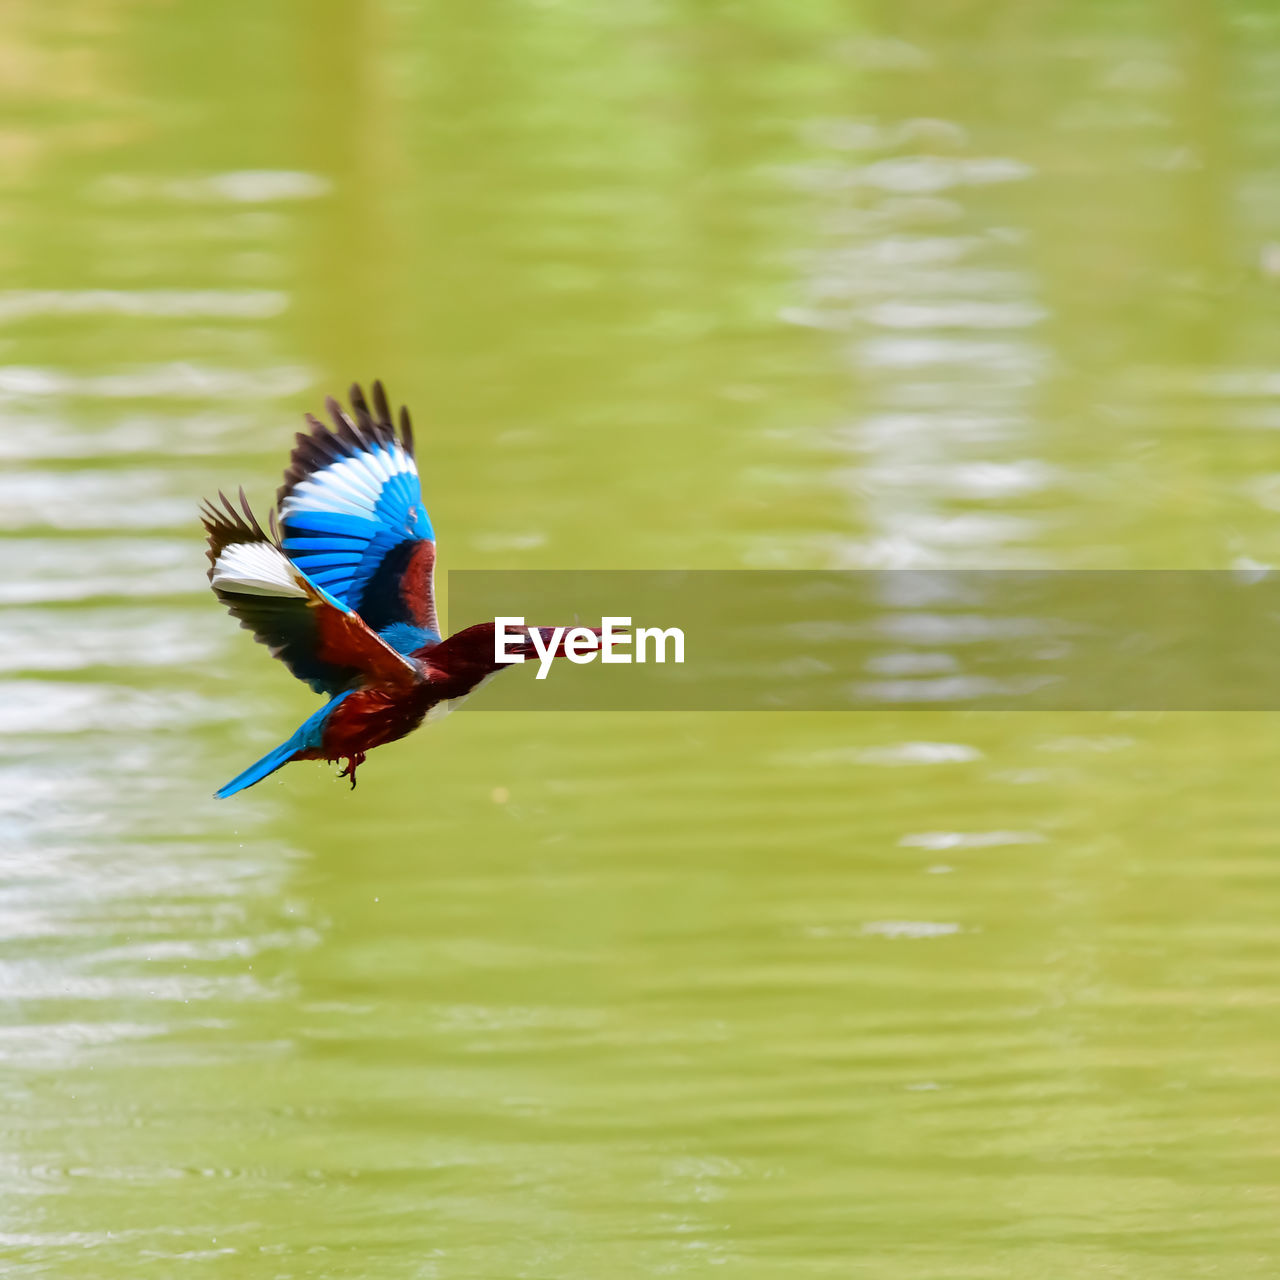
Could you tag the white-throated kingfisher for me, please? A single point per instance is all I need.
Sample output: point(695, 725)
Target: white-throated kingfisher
point(340, 588)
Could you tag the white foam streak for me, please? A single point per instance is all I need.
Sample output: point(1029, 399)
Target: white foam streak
point(178, 381)
point(201, 304)
point(235, 186)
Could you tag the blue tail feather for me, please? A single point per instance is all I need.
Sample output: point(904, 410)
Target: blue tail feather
point(310, 734)
point(269, 763)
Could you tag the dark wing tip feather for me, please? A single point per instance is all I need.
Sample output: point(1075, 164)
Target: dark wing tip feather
point(343, 427)
point(379, 430)
point(250, 518)
point(321, 445)
point(313, 450)
point(225, 525)
point(380, 404)
point(406, 430)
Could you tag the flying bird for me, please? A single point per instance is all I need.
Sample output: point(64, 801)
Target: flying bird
point(339, 586)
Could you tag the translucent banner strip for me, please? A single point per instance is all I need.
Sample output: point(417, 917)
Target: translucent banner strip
point(849, 640)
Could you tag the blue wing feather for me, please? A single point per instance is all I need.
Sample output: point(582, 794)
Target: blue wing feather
point(351, 510)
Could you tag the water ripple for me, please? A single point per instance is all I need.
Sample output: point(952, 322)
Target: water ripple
point(124, 636)
point(238, 304)
point(236, 186)
point(179, 380)
point(44, 570)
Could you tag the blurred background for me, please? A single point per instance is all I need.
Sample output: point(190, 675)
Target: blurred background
point(773, 283)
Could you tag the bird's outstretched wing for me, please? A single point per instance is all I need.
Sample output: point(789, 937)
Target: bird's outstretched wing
point(352, 517)
point(322, 641)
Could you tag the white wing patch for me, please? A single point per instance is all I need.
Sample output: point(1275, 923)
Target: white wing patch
point(352, 486)
point(256, 569)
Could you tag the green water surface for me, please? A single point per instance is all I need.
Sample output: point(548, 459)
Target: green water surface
point(766, 284)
